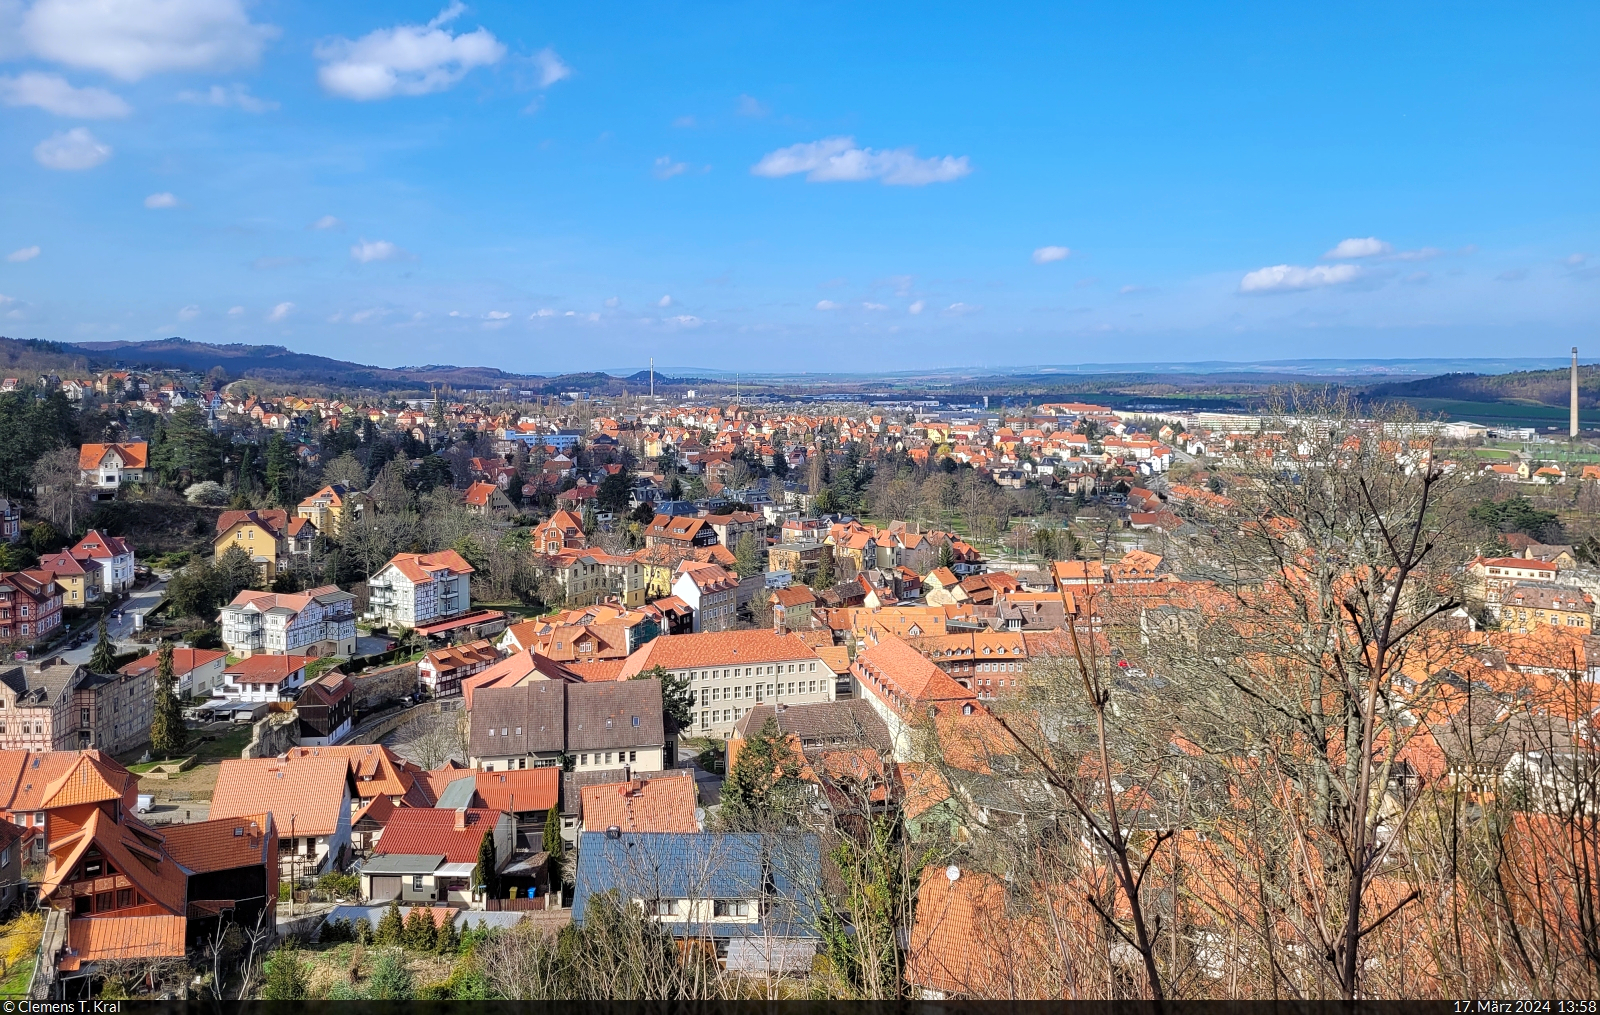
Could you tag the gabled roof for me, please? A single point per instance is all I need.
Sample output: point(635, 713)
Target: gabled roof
point(312, 790)
point(658, 803)
point(91, 779)
point(263, 669)
point(377, 771)
point(273, 520)
point(222, 843)
point(717, 648)
point(184, 660)
point(96, 545)
point(134, 455)
point(900, 676)
point(418, 567)
point(133, 850)
point(424, 830)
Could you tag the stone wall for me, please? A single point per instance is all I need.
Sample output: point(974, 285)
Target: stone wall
point(273, 735)
point(387, 683)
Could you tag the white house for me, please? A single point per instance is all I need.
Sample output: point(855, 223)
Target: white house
point(316, 622)
point(261, 678)
point(107, 467)
point(711, 592)
point(420, 588)
point(195, 670)
point(111, 554)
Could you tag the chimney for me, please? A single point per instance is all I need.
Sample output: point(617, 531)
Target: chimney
point(461, 819)
point(1572, 425)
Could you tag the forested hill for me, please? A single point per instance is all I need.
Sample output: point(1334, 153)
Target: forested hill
point(274, 363)
point(1548, 387)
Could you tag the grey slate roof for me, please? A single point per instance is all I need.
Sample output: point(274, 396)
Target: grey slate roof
point(551, 716)
point(849, 722)
point(614, 713)
point(403, 863)
point(458, 794)
point(782, 870)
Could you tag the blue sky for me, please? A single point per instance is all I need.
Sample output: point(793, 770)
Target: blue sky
point(802, 186)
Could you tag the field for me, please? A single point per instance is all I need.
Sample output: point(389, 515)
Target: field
point(1502, 413)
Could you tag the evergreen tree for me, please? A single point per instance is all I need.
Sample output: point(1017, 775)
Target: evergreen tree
point(419, 934)
point(747, 556)
point(282, 471)
point(286, 975)
point(487, 872)
point(947, 555)
point(104, 658)
point(390, 980)
point(676, 698)
point(446, 940)
point(555, 846)
point(823, 579)
point(590, 522)
point(763, 787)
point(167, 733)
point(361, 933)
point(391, 928)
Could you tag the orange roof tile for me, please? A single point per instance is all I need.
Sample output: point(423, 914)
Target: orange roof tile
point(101, 938)
point(660, 803)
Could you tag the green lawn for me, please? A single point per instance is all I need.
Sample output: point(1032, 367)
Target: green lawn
point(229, 745)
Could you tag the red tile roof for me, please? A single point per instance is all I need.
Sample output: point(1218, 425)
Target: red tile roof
point(717, 648)
point(311, 790)
point(266, 669)
point(101, 938)
point(430, 832)
point(184, 660)
point(660, 803)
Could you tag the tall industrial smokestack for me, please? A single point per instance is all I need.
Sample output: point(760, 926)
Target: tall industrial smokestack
point(1572, 425)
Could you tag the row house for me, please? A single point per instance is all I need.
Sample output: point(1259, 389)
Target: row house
point(196, 671)
point(79, 585)
point(538, 723)
point(441, 671)
point(309, 800)
point(1493, 576)
point(712, 592)
point(30, 606)
point(419, 588)
point(27, 707)
point(679, 531)
point(318, 622)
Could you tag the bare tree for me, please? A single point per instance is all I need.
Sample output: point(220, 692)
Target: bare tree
point(56, 480)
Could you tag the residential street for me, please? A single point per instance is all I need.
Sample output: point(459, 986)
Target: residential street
point(138, 603)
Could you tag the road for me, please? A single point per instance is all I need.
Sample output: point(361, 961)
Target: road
point(139, 602)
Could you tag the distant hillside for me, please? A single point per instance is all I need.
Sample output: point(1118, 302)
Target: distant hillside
point(278, 365)
point(1546, 387)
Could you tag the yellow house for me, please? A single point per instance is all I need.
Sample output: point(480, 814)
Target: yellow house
point(269, 536)
point(79, 585)
point(329, 506)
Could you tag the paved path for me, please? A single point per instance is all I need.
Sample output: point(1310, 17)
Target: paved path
point(121, 629)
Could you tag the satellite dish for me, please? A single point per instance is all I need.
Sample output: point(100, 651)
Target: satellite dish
point(952, 872)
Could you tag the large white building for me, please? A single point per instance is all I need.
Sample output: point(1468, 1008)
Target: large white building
point(317, 622)
point(729, 672)
point(419, 588)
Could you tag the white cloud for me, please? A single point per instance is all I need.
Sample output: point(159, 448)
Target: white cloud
point(542, 312)
point(666, 169)
point(52, 93)
point(1576, 259)
point(612, 302)
point(1044, 255)
point(326, 222)
point(405, 59)
point(916, 308)
point(686, 321)
point(1283, 278)
point(551, 67)
point(828, 305)
point(875, 306)
point(837, 159)
point(129, 39)
point(236, 311)
point(231, 95)
point(25, 254)
point(665, 301)
point(1355, 247)
point(962, 309)
point(363, 316)
point(280, 312)
point(376, 250)
point(161, 200)
point(497, 315)
point(71, 149)
point(750, 106)
point(189, 313)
